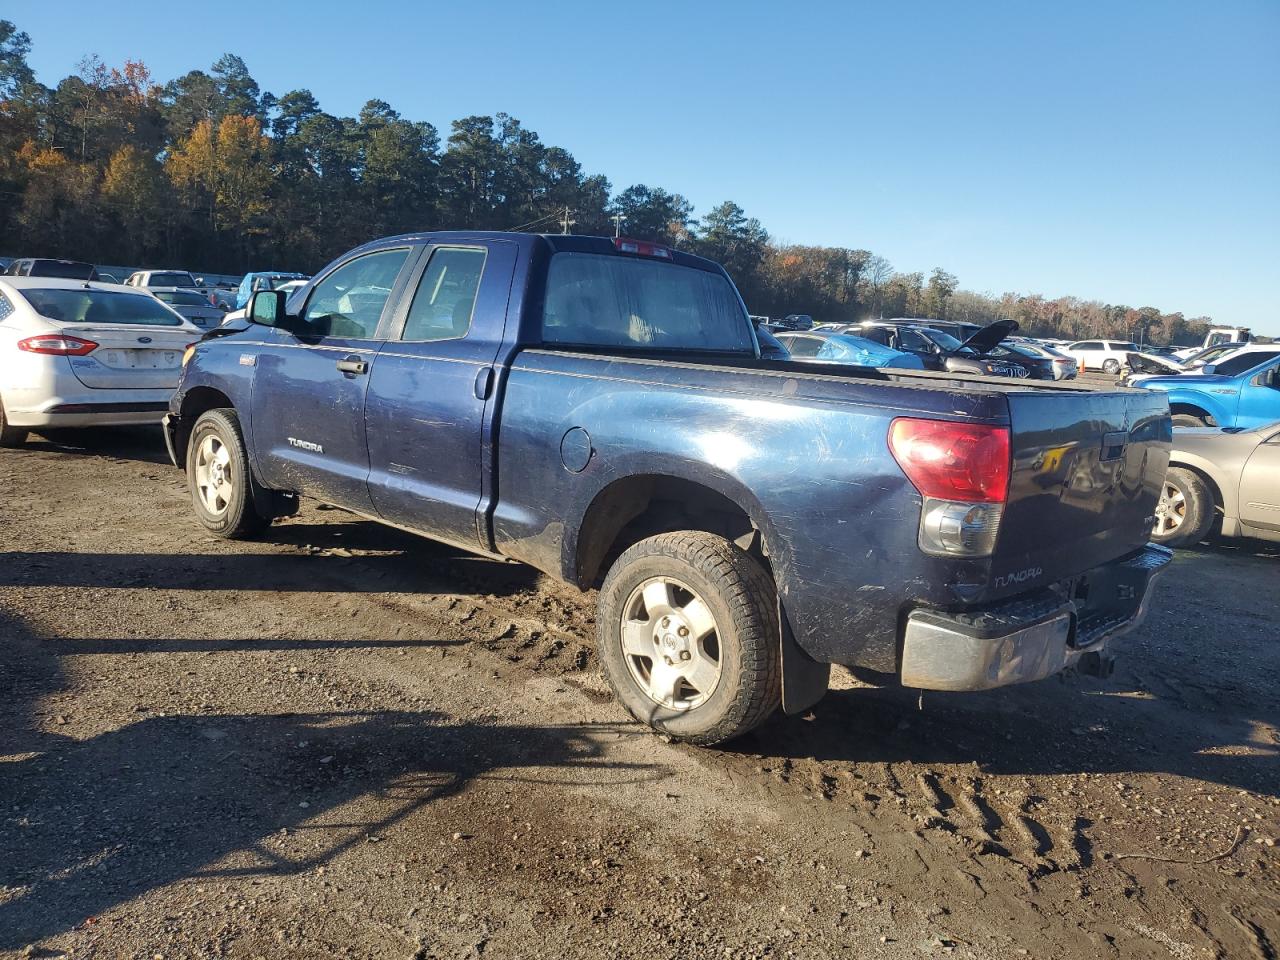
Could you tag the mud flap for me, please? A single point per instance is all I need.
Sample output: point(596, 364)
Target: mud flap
point(804, 679)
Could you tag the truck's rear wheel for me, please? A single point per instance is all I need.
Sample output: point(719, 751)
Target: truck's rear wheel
point(219, 478)
point(1185, 511)
point(1188, 420)
point(688, 637)
point(10, 436)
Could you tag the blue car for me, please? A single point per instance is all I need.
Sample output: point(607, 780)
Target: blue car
point(264, 280)
point(845, 348)
point(1242, 391)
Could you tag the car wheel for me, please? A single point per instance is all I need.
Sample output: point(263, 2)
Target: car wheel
point(10, 436)
point(219, 478)
point(1185, 511)
point(1111, 366)
point(688, 637)
point(1188, 420)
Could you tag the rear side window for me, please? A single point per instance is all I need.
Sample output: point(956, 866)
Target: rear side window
point(615, 301)
point(348, 302)
point(1246, 361)
point(446, 295)
point(100, 306)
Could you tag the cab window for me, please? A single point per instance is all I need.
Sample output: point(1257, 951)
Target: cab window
point(348, 302)
point(446, 295)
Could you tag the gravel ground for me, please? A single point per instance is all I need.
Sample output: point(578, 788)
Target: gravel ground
point(343, 741)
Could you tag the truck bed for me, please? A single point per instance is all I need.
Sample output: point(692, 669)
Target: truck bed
point(805, 453)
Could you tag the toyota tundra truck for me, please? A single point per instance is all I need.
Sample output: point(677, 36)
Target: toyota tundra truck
point(600, 410)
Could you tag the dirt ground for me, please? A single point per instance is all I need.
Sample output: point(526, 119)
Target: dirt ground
point(343, 741)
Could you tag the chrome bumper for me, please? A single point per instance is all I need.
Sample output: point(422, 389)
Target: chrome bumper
point(1030, 638)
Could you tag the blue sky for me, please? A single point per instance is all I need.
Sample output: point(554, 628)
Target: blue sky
point(1125, 152)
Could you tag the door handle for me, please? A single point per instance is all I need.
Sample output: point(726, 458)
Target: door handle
point(484, 383)
point(353, 365)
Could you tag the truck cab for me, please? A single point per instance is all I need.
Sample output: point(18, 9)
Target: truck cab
point(1241, 391)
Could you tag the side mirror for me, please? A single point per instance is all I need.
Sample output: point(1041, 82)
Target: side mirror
point(199, 281)
point(266, 308)
point(1207, 369)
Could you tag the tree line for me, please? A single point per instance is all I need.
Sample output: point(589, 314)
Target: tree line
point(209, 171)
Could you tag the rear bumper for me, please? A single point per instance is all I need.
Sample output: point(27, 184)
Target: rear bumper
point(1030, 638)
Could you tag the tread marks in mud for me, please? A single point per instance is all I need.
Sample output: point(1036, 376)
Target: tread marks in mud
point(1005, 827)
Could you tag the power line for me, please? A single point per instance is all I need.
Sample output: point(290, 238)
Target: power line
point(525, 226)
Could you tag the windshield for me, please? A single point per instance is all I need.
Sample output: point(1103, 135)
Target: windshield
point(100, 306)
point(945, 340)
point(182, 298)
point(1244, 361)
point(172, 278)
point(614, 301)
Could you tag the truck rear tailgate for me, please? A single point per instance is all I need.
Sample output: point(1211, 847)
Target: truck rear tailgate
point(1087, 470)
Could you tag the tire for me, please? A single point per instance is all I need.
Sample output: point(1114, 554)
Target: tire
point(1111, 366)
point(10, 436)
point(1186, 510)
point(698, 594)
point(1188, 420)
point(219, 477)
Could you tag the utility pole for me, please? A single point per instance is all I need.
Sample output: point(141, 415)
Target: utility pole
point(617, 219)
point(565, 222)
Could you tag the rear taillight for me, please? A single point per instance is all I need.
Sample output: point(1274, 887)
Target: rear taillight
point(641, 248)
point(953, 461)
point(57, 345)
point(962, 469)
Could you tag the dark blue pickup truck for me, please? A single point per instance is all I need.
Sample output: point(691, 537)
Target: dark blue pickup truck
point(600, 409)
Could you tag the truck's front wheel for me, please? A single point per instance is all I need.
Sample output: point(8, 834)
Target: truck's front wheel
point(688, 636)
point(219, 477)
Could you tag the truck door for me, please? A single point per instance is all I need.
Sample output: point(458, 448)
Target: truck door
point(1260, 485)
point(309, 388)
point(1260, 393)
point(431, 393)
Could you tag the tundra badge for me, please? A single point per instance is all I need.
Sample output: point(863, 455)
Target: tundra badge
point(305, 445)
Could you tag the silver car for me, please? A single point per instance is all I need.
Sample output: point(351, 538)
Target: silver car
point(192, 304)
point(1232, 474)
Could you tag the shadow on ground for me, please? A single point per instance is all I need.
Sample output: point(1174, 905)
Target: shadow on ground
point(90, 824)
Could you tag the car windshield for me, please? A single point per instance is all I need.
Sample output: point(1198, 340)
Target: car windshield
point(172, 278)
point(615, 301)
point(945, 340)
point(100, 306)
point(182, 298)
point(1244, 361)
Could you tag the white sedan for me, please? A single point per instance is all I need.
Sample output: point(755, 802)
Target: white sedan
point(77, 354)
